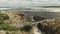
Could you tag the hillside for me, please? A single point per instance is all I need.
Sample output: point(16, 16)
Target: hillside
point(14, 18)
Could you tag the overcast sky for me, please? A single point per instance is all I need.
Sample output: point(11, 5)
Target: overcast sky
point(24, 3)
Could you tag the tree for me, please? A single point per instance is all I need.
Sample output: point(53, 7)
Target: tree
point(38, 18)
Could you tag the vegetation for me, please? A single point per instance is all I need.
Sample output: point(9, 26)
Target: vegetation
point(41, 27)
point(4, 26)
point(28, 19)
point(3, 17)
point(50, 27)
point(26, 28)
point(38, 18)
point(7, 27)
point(13, 28)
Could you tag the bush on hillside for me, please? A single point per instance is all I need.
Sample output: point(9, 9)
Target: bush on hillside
point(3, 17)
point(50, 27)
point(26, 28)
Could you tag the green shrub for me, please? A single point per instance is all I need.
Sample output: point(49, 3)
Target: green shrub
point(26, 28)
point(7, 27)
point(3, 17)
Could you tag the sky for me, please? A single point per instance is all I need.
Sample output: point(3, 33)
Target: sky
point(25, 3)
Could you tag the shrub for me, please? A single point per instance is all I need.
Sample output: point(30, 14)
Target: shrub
point(50, 27)
point(38, 18)
point(26, 28)
point(7, 27)
point(3, 17)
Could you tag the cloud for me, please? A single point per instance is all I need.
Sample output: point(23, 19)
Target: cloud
point(14, 3)
point(28, 2)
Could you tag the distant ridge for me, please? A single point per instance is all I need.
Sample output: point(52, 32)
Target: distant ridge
point(48, 6)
